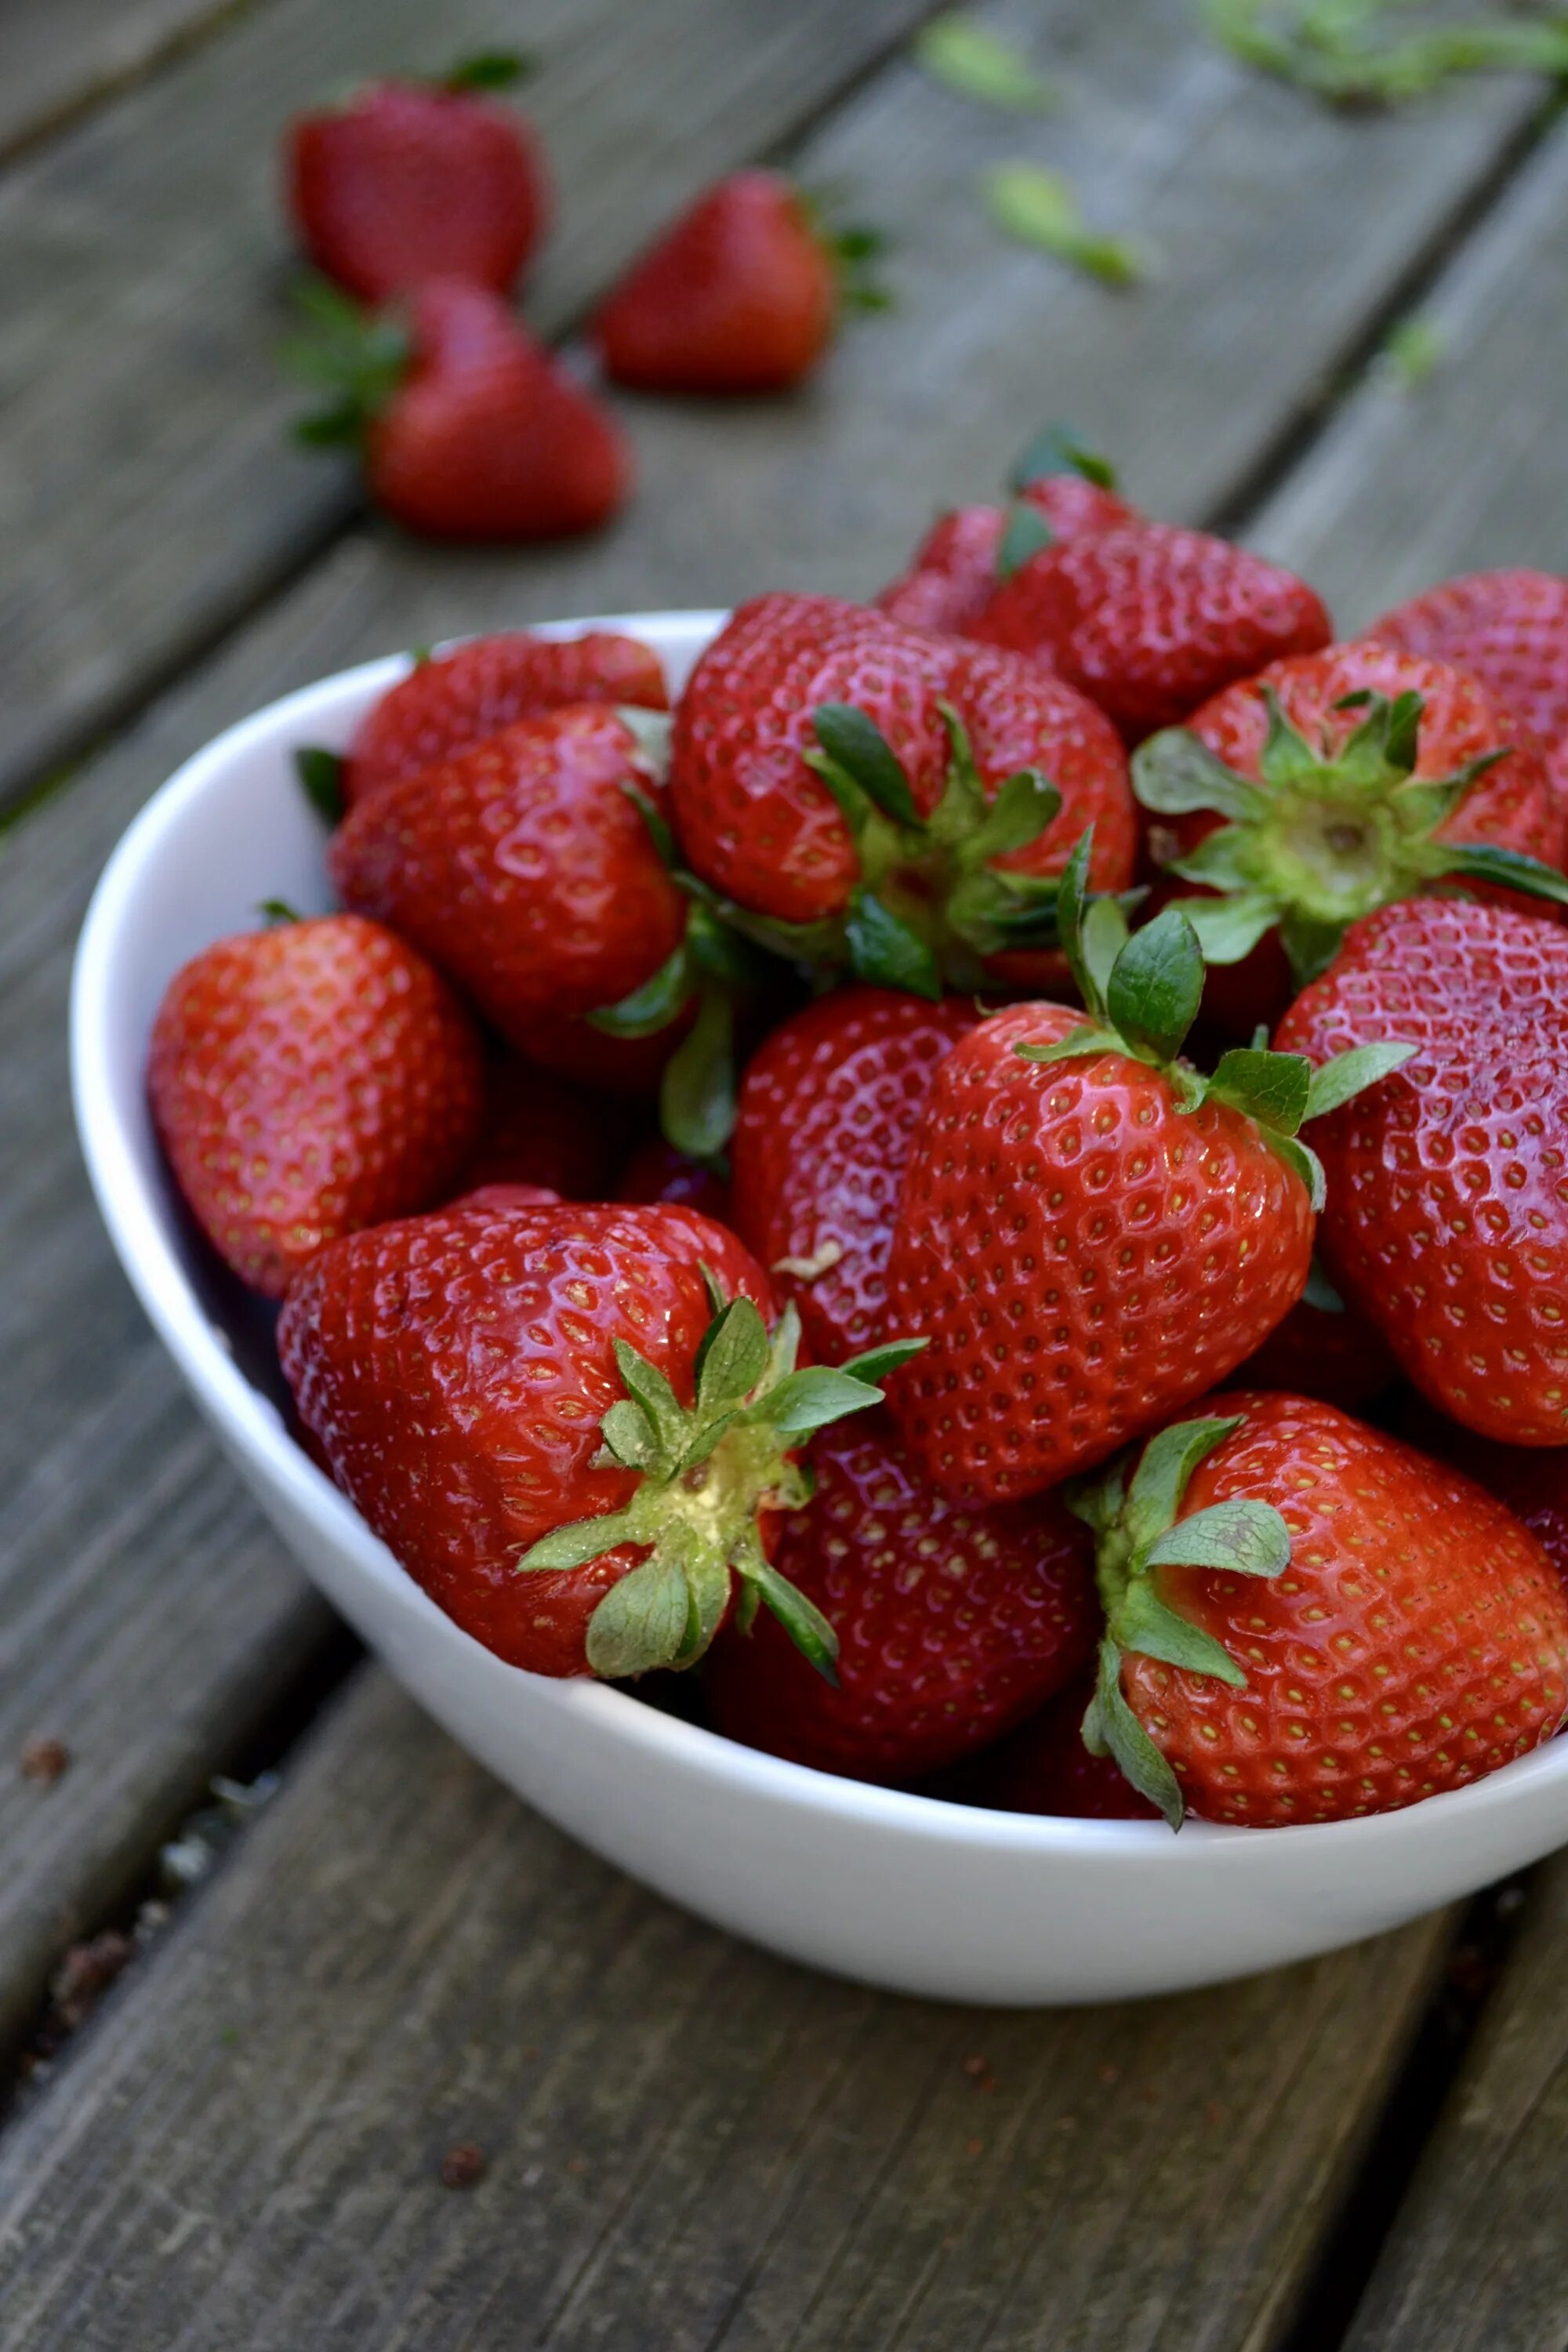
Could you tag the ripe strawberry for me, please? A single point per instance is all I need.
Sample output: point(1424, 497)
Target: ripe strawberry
point(521, 867)
point(408, 180)
point(1447, 1216)
point(741, 296)
point(1045, 1768)
point(1060, 490)
point(308, 1080)
point(829, 1109)
point(1091, 1235)
point(952, 1623)
point(1306, 1621)
point(1327, 786)
point(1509, 629)
point(469, 428)
point(1532, 1480)
point(558, 1429)
point(871, 798)
point(451, 700)
point(630, 1068)
point(508, 1196)
point(539, 1129)
point(657, 1171)
point(1151, 620)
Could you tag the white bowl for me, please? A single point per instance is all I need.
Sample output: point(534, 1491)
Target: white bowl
point(902, 1891)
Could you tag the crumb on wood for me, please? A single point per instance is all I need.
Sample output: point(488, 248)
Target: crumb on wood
point(85, 1975)
point(463, 2166)
point(45, 1761)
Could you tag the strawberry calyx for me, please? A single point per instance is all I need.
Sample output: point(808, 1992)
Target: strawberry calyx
point(1325, 836)
point(357, 357)
point(1055, 449)
point(706, 1472)
point(853, 249)
point(1141, 990)
point(489, 70)
point(1137, 1532)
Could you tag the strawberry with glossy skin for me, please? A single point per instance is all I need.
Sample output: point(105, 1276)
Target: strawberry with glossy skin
point(553, 1423)
point(1507, 628)
point(451, 700)
point(521, 867)
point(468, 429)
point(952, 1623)
point(411, 180)
point(1448, 1218)
point(1306, 1621)
point(308, 1080)
point(1091, 1235)
point(742, 295)
point(877, 799)
point(1532, 1480)
point(1060, 490)
point(829, 1108)
point(1327, 786)
point(1151, 621)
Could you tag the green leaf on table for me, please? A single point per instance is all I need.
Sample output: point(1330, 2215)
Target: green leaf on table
point(957, 49)
point(1040, 208)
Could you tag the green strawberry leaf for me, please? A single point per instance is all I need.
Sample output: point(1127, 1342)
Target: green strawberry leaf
point(320, 775)
point(1023, 806)
point(1349, 1075)
point(809, 1399)
point(1024, 533)
point(1243, 1537)
point(874, 1364)
point(802, 1619)
point(648, 1386)
point(1057, 449)
point(1145, 1625)
point(1272, 1088)
point(575, 1545)
point(1072, 901)
point(274, 911)
point(630, 1436)
point(697, 1095)
point(884, 953)
point(1311, 947)
point(652, 1007)
point(1164, 1467)
point(1156, 985)
point(858, 750)
point(1287, 758)
point(1125, 1739)
point(642, 1622)
point(490, 69)
point(1229, 929)
point(957, 49)
point(1302, 1162)
point(1505, 869)
point(657, 824)
point(1174, 774)
point(732, 1356)
point(1040, 208)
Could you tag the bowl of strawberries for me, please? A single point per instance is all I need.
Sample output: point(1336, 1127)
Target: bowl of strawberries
point(914, 1270)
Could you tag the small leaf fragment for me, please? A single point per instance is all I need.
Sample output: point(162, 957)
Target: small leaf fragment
point(1349, 1073)
point(1040, 208)
point(320, 775)
point(958, 51)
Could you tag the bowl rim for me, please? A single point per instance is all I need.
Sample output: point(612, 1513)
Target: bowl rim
point(139, 1230)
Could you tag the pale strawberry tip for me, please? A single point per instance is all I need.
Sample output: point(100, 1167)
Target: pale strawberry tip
point(1136, 1531)
point(706, 1471)
point(1141, 990)
point(1325, 836)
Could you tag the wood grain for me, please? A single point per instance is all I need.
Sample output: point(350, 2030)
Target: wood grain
point(147, 504)
point(57, 58)
point(690, 2145)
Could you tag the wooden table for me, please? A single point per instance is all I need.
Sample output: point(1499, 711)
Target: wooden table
point(689, 2144)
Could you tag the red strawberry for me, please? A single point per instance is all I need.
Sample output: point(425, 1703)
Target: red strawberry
point(1091, 1235)
point(829, 1108)
point(1151, 620)
point(1532, 1480)
point(952, 1623)
point(1306, 1621)
point(630, 1068)
point(657, 1171)
point(1330, 1353)
point(1327, 786)
point(541, 1412)
point(885, 801)
point(521, 867)
point(449, 701)
point(469, 429)
point(541, 1130)
point(1509, 629)
point(1045, 1768)
point(308, 1080)
point(409, 180)
point(508, 1196)
point(741, 296)
point(1060, 492)
point(1447, 1217)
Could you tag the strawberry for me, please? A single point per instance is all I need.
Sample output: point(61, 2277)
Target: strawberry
point(508, 1196)
point(1060, 490)
point(829, 1108)
point(406, 181)
point(869, 798)
point(1330, 785)
point(657, 1171)
point(741, 296)
point(539, 1129)
point(1448, 1218)
point(1532, 1480)
point(630, 1068)
point(952, 1622)
point(1045, 1768)
point(1090, 1234)
point(559, 1426)
point(308, 1080)
point(523, 867)
point(468, 429)
point(1306, 1621)
point(1509, 629)
point(451, 701)
point(1323, 1349)
point(1150, 621)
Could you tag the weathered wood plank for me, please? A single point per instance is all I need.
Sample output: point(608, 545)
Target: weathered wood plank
point(690, 2145)
point(150, 493)
point(57, 59)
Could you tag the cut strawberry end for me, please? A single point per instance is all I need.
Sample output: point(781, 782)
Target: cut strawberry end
point(1137, 1532)
point(707, 1471)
